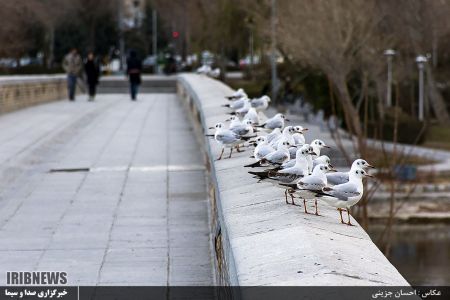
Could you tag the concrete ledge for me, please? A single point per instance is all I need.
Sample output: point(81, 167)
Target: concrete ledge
point(18, 92)
point(259, 240)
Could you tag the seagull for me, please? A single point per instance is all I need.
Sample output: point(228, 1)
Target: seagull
point(291, 162)
point(343, 177)
point(344, 196)
point(243, 110)
point(237, 94)
point(308, 186)
point(237, 104)
point(323, 159)
point(276, 121)
point(262, 148)
point(273, 135)
point(227, 138)
point(261, 103)
point(286, 135)
point(299, 138)
point(244, 128)
point(215, 73)
point(234, 121)
point(317, 146)
point(204, 69)
point(288, 175)
point(252, 115)
point(276, 157)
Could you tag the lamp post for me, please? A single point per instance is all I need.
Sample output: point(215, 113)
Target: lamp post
point(121, 37)
point(389, 53)
point(250, 24)
point(155, 41)
point(421, 60)
point(273, 62)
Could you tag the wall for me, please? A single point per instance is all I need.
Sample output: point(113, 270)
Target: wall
point(18, 92)
point(259, 240)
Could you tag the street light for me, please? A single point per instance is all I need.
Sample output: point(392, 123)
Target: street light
point(421, 61)
point(155, 41)
point(273, 62)
point(389, 53)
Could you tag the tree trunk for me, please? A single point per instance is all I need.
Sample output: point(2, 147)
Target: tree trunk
point(380, 85)
point(351, 114)
point(436, 100)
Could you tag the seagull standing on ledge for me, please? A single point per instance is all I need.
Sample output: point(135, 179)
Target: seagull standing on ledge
point(260, 104)
point(309, 186)
point(237, 94)
point(344, 196)
point(343, 177)
point(227, 138)
point(276, 121)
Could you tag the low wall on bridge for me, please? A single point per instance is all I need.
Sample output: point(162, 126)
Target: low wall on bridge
point(18, 92)
point(260, 240)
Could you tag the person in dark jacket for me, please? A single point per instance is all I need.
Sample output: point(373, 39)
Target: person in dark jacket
point(92, 69)
point(134, 68)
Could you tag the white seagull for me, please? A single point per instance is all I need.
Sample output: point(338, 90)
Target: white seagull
point(227, 138)
point(260, 104)
point(276, 121)
point(237, 94)
point(252, 115)
point(308, 186)
point(344, 196)
point(286, 176)
point(238, 104)
point(276, 157)
point(262, 148)
point(343, 177)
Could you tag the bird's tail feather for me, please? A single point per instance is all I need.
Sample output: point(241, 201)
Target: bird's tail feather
point(256, 164)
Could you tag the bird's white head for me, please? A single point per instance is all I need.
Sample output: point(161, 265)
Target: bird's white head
point(299, 129)
point(359, 173)
point(303, 151)
point(260, 139)
point(266, 98)
point(319, 144)
point(323, 159)
point(323, 168)
point(361, 163)
point(248, 122)
point(284, 144)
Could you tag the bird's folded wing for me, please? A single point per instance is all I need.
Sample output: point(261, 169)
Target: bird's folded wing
point(337, 178)
point(343, 191)
point(285, 178)
point(227, 137)
point(277, 156)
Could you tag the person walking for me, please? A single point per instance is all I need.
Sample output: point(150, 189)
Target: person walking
point(92, 70)
point(72, 64)
point(134, 69)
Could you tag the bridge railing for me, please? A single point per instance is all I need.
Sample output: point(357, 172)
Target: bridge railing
point(260, 240)
point(18, 92)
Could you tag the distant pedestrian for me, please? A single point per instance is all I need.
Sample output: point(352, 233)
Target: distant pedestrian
point(92, 69)
point(72, 64)
point(134, 69)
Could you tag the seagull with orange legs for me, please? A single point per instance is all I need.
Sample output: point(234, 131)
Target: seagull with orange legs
point(344, 196)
